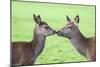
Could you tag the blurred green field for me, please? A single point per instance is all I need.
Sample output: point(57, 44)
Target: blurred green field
point(57, 49)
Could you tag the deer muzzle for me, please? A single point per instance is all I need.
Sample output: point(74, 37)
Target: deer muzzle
point(60, 33)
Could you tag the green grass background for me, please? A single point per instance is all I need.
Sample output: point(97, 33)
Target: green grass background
point(57, 49)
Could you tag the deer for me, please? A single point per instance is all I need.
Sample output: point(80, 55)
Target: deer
point(85, 46)
point(26, 53)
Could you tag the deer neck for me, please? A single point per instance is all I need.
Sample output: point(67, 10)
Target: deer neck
point(38, 40)
point(79, 42)
point(38, 44)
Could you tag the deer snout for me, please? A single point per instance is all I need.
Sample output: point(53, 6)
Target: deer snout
point(59, 33)
point(54, 31)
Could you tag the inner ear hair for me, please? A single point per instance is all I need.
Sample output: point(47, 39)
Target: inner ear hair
point(76, 20)
point(37, 19)
point(68, 19)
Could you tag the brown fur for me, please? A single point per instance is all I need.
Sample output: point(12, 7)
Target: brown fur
point(91, 49)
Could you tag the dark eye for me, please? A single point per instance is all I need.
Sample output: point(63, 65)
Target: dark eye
point(46, 27)
point(69, 27)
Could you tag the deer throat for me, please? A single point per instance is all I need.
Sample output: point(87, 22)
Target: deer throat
point(79, 43)
point(38, 44)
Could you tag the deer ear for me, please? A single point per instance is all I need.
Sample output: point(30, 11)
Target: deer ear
point(68, 19)
point(34, 16)
point(37, 19)
point(76, 20)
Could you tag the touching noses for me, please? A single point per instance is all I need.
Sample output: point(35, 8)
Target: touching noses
point(54, 32)
point(59, 33)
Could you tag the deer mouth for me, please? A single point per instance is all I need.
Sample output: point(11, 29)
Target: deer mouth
point(62, 34)
point(59, 33)
point(52, 33)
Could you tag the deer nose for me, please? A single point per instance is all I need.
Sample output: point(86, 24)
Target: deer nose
point(59, 33)
point(54, 31)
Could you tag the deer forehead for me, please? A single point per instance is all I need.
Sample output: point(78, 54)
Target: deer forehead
point(70, 24)
point(45, 25)
point(42, 27)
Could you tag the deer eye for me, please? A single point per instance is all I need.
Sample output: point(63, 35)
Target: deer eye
point(46, 27)
point(69, 28)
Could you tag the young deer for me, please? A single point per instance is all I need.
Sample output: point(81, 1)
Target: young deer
point(85, 46)
point(25, 53)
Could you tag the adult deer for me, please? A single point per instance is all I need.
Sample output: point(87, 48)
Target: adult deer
point(85, 46)
point(25, 53)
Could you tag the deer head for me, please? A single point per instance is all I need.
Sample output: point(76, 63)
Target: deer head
point(42, 28)
point(70, 29)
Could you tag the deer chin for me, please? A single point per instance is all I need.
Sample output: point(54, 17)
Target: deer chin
point(49, 34)
point(63, 35)
point(66, 36)
point(54, 32)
